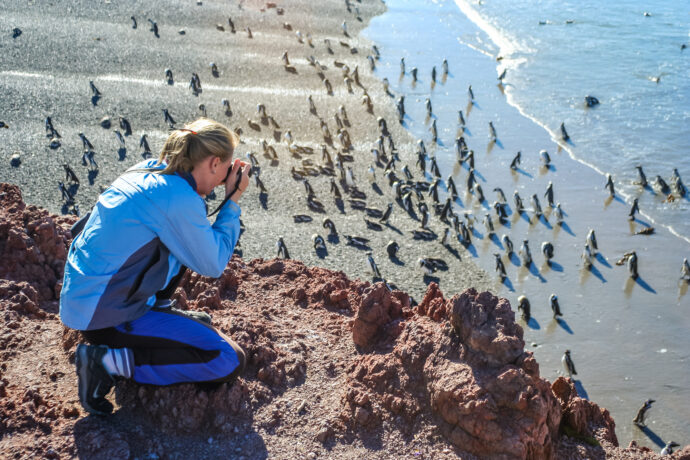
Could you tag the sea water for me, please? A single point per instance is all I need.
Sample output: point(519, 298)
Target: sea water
point(628, 337)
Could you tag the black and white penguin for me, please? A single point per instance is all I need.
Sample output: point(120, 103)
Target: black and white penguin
point(609, 185)
point(642, 177)
point(318, 242)
point(568, 364)
point(500, 267)
point(642, 412)
point(392, 249)
point(547, 250)
point(555, 307)
point(516, 161)
point(282, 248)
point(507, 244)
point(526, 254)
point(524, 307)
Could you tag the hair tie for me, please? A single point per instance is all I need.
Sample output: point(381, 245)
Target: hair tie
point(187, 129)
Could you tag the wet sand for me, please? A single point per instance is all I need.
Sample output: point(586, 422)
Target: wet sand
point(628, 338)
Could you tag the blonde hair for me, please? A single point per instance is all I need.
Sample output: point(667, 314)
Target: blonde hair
point(198, 140)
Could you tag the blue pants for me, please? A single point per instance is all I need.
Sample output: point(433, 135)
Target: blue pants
point(169, 347)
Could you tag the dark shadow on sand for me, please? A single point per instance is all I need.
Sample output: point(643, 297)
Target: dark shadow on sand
point(602, 260)
point(652, 436)
point(533, 324)
point(561, 322)
point(555, 266)
point(581, 392)
point(508, 284)
point(595, 271)
point(566, 228)
point(321, 253)
point(643, 284)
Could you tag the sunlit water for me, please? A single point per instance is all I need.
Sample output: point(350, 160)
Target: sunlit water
point(629, 338)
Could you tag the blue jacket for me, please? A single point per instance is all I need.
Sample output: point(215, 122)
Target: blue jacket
point(141, 231)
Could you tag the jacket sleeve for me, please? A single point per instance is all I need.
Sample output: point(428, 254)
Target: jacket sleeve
point(191, 238)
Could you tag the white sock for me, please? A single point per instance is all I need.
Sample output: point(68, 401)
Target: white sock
point(119, 361)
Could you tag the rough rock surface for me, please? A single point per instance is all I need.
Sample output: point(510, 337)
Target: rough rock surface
point(336, 367)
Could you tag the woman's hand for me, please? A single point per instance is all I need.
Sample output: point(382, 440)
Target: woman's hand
point(232, 186)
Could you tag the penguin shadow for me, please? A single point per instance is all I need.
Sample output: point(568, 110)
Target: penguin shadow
point(643, 284)
point(545, 221)
point(477, 234)
point(555, 266)
point(514, 259)
point(525, 217)
point(428, 279)
point(397, 261)
point(496, 240)
point(394, 228)
point(93, 173)
point(440, 143)
point(471, 249)
point(479, 176)
point(532, 324)
point(564, 325)
point(170, 81)
point(508, 284)
point(566, 228)
point(595, 271)
point(121, 154)
point(333, 239)
point(274, 162)
point(655, 438)
point(506, 223)
point(453, 251)
point(95, 99)
point(340, 205)
point(458, 201)
point(580, 388)
point(523, 172)
point(376, 188)
point(602, 260)
point(321, 253)
point(535, 272)
point(72, 189)
point(466, 131)
point(277, 135)
point(263, 200)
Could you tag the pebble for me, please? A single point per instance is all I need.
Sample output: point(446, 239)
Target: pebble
point(15, 159)
point(311, 455)
point(302, 406)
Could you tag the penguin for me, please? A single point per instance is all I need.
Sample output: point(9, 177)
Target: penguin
point(373, 268)
point(51, 132)
point(402, 66)
point(591, 101)
point(392, 249)
point(125, 126)
point(470, 180)
point(425, 220)
point(488, 224)
point(282, 249)
point(555, 307)
point(685, 271)
point(168, 119)
point(507, 244)
point(547, 250)
point(592, 241)
point(445, 67)
point(568, 363)
point(426, 266)
point(668, 448)
point(214, 69)
point(524, 307)
point(328, 223)
point(587, 257)
point(519, 206)
point(66, 195)
point(433, 74)
point(429, 110)
point(500, 212)
point(154, 28)
point(516, 161)
point(470, 93)
point(434, 167)
point(85, 142)
point(344, 28)
point(386, 214)
point(500, 268)
point(94, 90)
point(678, 183)
point(662, 185)
point(479, 193)
point(120, 138)
point(492, 131)
point(632, 265)
point(249, 32)
point(549, 195)
point(450, 185)
point(386, 86)
point(501, 195)
point(545, 158)
point(526, 254)
point(464, 234)
point(72, 178)
point(564, 133)
point(318, 242)
point(642, 178)
point(134, 22)
point(536, 206)
point(357, 241)
point(559, 214)
point(633, 209)
point(642, 412)
point(401, 108)
point(232, 25)
point(413, 72)
point(609, 185)
point(434, 132)
point(503, 75)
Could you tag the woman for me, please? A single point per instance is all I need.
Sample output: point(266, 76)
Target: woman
point(121, 270)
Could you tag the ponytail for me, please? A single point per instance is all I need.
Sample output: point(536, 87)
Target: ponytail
point(188, 146)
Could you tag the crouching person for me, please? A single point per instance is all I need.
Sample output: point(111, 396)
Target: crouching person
point(124, 264)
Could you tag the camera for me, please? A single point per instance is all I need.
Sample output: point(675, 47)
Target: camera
point(227, 176)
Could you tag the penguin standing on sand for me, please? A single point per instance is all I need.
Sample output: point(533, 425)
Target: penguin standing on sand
point(642, 179)
point(568, 363)
point(609, 185)
point(282, 249)
point(373, 268)
point(633, 209)
point(536, 206)
point(685, 271)
point(632, 265)
point(507, 244)
point(500, 268)
point(564, 133)
point(519, 206)
point(678, 183)
point(516, 161)
point(587, 257)
point(392, 249)
point(318, 241)
point(549, 195)
point(592, 241)
point(555, 307)
point(547, 250)
point(524, 307)
point(642, 412)
point(559, 214)
point(668, 448)
point(328, 223)
point(526, 254)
